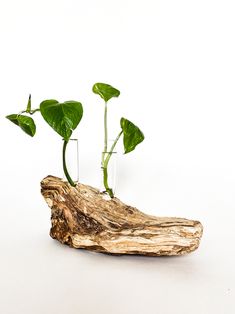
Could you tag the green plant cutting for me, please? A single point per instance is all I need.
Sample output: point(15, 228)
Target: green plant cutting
point(62, 117)
point(132, 135)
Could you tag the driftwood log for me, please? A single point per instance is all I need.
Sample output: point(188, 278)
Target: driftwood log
point(83, 218)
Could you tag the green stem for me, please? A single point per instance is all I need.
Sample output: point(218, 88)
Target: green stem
point(105, 132)
point(111, 150)
point(20, 113)
point(64, 165)
point(105, 166)
point(106, 185)
point(30, 112)
point(28, 109)
point(34, 110)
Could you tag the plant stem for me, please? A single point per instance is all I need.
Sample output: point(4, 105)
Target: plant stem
point(30, 112)
point(64, 165)
point(28, 109)
point(106, 185)
point(34, 110)
point(105, 166)
point(105, 132)
point(111, 150)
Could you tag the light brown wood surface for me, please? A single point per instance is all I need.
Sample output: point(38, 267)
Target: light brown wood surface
point(82, 217)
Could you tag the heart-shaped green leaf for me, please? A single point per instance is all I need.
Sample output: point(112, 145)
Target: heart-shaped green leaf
point(62, 117)
point(132, 135)
point(25, 123)
point(105, 91)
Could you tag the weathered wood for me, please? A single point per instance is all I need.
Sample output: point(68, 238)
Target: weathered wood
point(83, 218)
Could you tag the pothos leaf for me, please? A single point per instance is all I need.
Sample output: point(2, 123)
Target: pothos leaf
point(24, 122)
point(105, 91)
point(132, 135)
point(62, 117)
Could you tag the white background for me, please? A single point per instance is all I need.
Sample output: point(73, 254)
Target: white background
point(174, 63)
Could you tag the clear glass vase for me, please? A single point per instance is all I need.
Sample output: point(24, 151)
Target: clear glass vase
point(72, 162)
point(108, 173)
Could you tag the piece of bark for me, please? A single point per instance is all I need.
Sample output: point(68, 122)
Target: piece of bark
point(82, 217)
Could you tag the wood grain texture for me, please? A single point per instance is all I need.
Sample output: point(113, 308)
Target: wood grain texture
point(82, 217)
